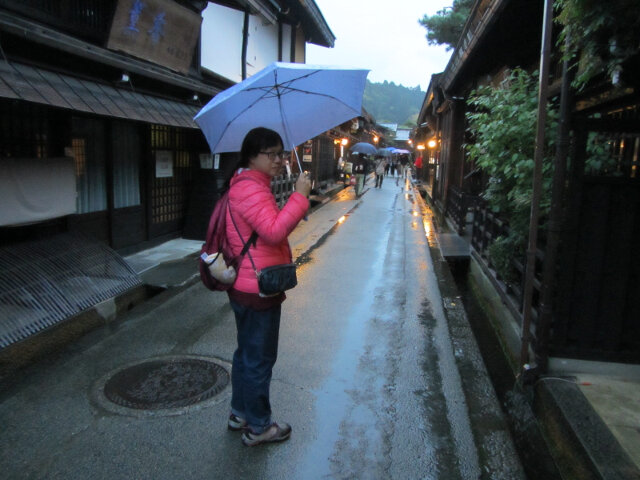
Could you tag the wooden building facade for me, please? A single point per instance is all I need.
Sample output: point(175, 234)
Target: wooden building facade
point(586, 284)
point(97, 100)
point(98, 147)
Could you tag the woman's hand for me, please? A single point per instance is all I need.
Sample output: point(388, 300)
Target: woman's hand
point(303, 185)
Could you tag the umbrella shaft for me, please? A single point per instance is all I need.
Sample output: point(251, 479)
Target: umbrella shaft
point(297, 158)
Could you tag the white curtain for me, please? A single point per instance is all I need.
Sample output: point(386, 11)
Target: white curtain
point(36, 189)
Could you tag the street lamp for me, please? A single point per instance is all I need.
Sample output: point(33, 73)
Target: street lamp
point(343, 143)
point(420, 146)
point(375, 139)
point(432, 143)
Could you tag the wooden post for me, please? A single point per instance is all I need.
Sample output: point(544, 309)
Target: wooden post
point(537, 182)
point(556, 217)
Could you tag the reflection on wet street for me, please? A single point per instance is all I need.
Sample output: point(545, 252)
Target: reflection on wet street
point(367, 343)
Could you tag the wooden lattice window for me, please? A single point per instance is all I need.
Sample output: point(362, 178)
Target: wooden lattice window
point(169, 193)
point(89, 19)
point(618, 154)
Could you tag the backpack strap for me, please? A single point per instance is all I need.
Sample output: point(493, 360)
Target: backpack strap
point(252, 240)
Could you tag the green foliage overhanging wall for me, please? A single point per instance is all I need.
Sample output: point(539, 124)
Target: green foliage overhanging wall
point(603, 35)
point(502, 122)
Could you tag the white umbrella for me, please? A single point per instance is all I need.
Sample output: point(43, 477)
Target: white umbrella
point(298, 101)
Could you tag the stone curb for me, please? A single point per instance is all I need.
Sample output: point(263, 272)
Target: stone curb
point(582, 444)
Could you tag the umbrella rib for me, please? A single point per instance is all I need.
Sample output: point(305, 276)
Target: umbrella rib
point(288, 82)
point(321, 95)
point(240, 113)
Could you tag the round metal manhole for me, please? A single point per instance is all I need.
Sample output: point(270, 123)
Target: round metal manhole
point(166, 383)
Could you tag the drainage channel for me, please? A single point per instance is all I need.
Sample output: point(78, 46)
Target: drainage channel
point(164, 386)
point(532, 449)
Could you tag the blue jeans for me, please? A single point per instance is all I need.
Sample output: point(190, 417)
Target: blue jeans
point(253, 362)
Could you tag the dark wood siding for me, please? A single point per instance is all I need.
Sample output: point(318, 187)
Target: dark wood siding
point(599, 303)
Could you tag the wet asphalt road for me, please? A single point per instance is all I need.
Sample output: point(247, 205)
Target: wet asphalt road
point(366, 372)
point(386, 398)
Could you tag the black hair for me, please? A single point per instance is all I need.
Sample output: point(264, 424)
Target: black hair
point(256, 141)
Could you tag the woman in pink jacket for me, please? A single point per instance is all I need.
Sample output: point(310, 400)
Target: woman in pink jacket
point(252, 207)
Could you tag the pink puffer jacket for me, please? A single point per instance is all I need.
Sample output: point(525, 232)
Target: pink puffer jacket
point(254, 208)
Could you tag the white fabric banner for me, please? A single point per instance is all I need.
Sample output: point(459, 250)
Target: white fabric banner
point(32, 190)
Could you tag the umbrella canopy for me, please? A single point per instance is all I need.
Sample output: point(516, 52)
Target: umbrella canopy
point(401, 151)
point(364, 147)
point(296, 100)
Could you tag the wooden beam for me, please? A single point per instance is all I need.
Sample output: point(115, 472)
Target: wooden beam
point(65, 43)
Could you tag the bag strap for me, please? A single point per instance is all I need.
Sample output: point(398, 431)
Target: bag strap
point(252, 240)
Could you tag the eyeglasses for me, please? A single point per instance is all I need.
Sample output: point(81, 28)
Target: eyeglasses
point(282, 155)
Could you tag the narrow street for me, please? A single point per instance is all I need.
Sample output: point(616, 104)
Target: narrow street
point(389, 404)
point(366, 373)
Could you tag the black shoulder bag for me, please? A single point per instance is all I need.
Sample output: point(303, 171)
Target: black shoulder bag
point(271, 280)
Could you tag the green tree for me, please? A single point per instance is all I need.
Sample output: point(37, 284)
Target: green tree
point(502, 122)
point(445, 27)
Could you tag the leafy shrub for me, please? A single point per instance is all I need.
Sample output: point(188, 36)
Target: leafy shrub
point(503, 123)
point(501, 251)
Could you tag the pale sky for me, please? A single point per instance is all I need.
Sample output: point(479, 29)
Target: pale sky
point(383, 36)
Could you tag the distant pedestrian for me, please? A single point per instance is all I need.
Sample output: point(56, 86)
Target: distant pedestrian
point(380, 168)
point(401, 172)
point(252, 208)
point(360, 170)
point(387, 167)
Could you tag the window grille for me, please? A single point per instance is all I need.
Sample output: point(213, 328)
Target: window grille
point(615, 154)
point(85, 18)
point(169, 195)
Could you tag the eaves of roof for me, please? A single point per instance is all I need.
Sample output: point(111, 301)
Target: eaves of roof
point(483, 16)
point(46, 36)
point(313, 22)
point(429, 95)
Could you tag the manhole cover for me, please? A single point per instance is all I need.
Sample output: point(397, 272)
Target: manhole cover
point(166, 383)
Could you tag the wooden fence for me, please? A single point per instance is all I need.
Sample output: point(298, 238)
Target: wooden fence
point(459, 204)
point(596, 304)
point(282, 188)
point(487, 228)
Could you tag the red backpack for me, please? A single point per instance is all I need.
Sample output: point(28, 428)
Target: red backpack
point(216, 241)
